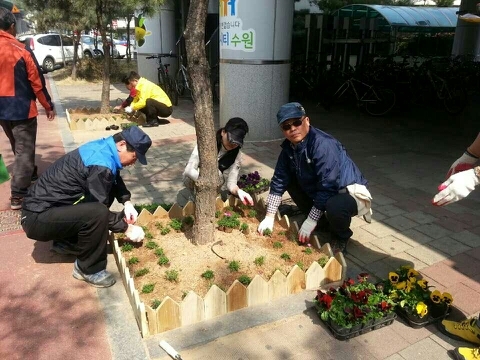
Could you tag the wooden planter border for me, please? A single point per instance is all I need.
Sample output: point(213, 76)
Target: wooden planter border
point(87, 123)
point(192, 309)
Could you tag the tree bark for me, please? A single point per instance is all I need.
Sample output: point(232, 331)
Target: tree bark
point(206, 185)
point(102, 27)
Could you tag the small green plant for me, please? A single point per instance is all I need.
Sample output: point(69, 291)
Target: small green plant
point(300, 264)
point(323, 261)
point(217, 214)
point(149, 207)
point(259, 261)
point(184, 294)
point(282, 233)
point(285, 256)
point(155, 303)
point(127, 247)
point(148, 235)
point(176, 224)
point(209, 275)
point(148, 288)
point(243, 227)
point(252, 213)
point(234, 265)
point(229, 220)
point(133, 260)
point(267, 232)
point(308, 251)
point(159, 251)
point(277, 245)
point(171, 275)
point(163, 260)
point(245, 280)
point(141, 272)
point(188, 220)
point(159, 225)
point(165, 231)
point(151, 245)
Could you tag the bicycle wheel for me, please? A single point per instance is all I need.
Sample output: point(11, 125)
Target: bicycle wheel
point(379, 101)
point(216, 91)
point(455, 99)
point(172, 91)
point(180, 83)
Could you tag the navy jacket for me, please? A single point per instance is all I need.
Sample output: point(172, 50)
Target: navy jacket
point(320, 165)
point(87, 174)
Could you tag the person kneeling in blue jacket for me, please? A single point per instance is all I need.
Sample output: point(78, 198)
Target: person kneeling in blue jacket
point(70, 202)
point(320, 177)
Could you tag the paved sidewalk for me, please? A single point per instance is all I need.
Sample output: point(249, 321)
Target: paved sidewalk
point(404, 157)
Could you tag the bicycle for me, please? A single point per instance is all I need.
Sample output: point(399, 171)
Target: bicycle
point(182, 80)
point(376, 101)
point(165, 81)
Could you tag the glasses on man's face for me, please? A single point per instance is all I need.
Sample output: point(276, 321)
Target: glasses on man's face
point(296, 123)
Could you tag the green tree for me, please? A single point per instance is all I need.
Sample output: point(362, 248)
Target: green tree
point(443, 3)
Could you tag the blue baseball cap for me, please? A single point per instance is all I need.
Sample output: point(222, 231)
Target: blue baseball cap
point(293, 110)
point(140, 141)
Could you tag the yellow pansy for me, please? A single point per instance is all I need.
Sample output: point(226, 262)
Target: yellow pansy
point(447, 298)
point(436, 296)
point(423, 284)
point(422, 309)
point(393, 276)
point(401, 285)
point(412, 273)
point(408, 287)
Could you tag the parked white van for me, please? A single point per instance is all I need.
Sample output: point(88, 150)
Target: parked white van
point(47, 48)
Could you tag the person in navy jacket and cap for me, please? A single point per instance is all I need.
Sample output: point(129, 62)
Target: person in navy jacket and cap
point(70, 202)
point(316, 170)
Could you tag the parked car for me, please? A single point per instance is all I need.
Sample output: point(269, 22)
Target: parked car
point(92, 47)
point(121, 46)
point(50, 50)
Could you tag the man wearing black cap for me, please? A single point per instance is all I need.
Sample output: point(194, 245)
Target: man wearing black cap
point(229, 141)
point(70, 202)
point(320, 177)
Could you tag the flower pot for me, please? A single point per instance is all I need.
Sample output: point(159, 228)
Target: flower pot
point(339, 330)
point(438, 311)
point(342, 333)
point(416, 321)
point(227, 229)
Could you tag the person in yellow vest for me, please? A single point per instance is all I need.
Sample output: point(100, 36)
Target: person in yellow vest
point(147, 97)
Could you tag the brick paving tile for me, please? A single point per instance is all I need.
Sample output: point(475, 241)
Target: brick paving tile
point(379, 229)
point(453, 225)
point(468, 238)
point(380, 200)
point(425, 349)
point(475, 253)
point(409, 334)
point(473, 283)
point(395, 357)
point(433, 230)
point(375, 342)
point(362, 236)
point(420, 217)
point(446, 342)
point(473, 220)
point(465, 263)
point(391, 245)
point(465, 298)
point(449, 246)
point(444, 274)
point(367, 253)
point(400, 222)
point(427, 254)
point(413, 237)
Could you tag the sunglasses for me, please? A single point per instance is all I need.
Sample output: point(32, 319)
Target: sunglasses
point(296, 123)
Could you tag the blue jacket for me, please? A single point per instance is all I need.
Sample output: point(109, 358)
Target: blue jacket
point(319, 163)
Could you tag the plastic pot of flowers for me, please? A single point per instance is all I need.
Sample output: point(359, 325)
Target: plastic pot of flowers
point(416, 321)
point(340, 333)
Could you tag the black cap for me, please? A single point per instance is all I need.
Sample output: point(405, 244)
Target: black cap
point(140, 141)
point(236, 129)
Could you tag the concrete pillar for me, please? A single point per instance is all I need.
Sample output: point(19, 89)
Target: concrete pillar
point(255, 44)
point(467, 39)
point(153, 36)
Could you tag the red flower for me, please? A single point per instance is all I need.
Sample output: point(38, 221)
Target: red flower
point(358, 313)
point(384, 306)
point(326, 300)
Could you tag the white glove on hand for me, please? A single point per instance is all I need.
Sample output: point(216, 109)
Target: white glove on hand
point(456, 187)
point(464, 162)
point(307, 227)
point(267, 223)
point(134, 233)
point(130, 213)
point(245, 197)
point(128, 110)
point(191, 173)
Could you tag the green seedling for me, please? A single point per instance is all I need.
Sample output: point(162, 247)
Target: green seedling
point(159, 225)
point(148, 288)
point(277, 245)
point(282, 233)
point(141, 272)
point(176, 224)
point(148, 235)
point(259, 261)
point(159, 251)
point(208, 275)
point(267, 232)
point(151, 245)
point(322, 261)
point(163, 260)
point(188, 220)
point(155, 304)
point(165, 231)
point(234, 265)
point(285, 256)
point(127, 247)
point(308, 251)
point(171, 275)
point(217, 214)
point(133, 260)
point(300, 265)
point(252, 213)
point(243, 227)
point(245, 280)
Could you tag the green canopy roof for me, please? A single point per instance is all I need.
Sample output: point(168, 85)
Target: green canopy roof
point(405, 18)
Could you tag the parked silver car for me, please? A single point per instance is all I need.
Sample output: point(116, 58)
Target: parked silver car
point(93, 47)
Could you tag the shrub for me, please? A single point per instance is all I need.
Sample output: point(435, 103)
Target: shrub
point(133, 260)
point(163, 260)
point(150, 207)
point(234, 265)
point(127, 247)
point(151, 245)
point(148, 288)
point(245, 280)
point(277, 245)
point(141, 272)
point(171, 275)
point(209, 275)
point(285, 256)
point(176, 224)
point(259, 261)
point(229, 220)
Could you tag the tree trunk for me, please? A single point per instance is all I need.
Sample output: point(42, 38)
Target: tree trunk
point(206, 185)
point(102, 27)
point(75, 54)
point(129, 54)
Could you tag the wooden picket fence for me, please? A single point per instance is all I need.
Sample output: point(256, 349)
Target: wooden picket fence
point(192, 309)
point(88, 122)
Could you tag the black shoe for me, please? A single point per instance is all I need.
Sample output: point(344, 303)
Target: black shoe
point(151, 123)
point(16, 203)
point(65, 248)
point(34, 175)
point(289, 210)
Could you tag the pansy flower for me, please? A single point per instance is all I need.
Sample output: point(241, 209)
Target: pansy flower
point(394, 277)
point(423, 284)
point(401, 285)
point(422, 309)
point(357, 312)
point(227, 213)
point(362, 277)
point(384, 306)
point(447, 298)
point(412, 273)
point(436, 296)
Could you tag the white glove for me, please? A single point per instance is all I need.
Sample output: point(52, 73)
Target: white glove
point(245, 197)
point(456, 187)
point(464, 162)
point(134, 233)
point(267, 223)
point(307, 227)
point(130, 213)
point(128, 110)
point(191, 173)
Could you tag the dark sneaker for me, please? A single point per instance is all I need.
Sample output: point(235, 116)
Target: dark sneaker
point(468, 329)
point(65, 248)
point(34, 175)
point(101, 279)
point(152, 123)
point(465, 353)
point(16, 203)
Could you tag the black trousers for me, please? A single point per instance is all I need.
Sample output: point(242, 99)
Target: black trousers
point(153, 108)
point(339, 210)
point(84, 224)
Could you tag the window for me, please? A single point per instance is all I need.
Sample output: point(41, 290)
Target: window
point(49, 40)
point(67, 41)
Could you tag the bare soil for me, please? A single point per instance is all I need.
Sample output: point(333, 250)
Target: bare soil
point(191, 261)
